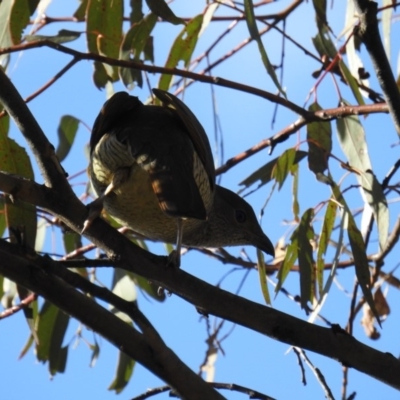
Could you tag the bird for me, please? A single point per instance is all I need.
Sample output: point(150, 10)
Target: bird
point(153, 171)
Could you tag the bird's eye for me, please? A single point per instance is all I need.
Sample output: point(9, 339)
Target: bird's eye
point(240, 216)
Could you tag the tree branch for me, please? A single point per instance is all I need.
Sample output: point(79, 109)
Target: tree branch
point(368, 32)
point(38, 275)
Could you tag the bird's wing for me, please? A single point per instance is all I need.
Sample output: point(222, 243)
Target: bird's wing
point(194, 130)
point(111, 113)
point(160, 145)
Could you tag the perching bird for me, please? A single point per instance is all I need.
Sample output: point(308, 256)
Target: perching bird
point(153, 170)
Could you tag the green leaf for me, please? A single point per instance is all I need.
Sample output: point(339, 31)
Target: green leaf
point(104, 34)
point(80, 12)
point(161, 9)
point(352, 82)
point(63, 36)
point(352, 140)
point(295, 191)
point(124, 287)
point(319, 140)
point(66, 135)
point(182, 49)
point(263, 276)
point(305, 255)
point(332, 272)
point(26, 347)
point(3, 223)
point(255, 35)
point(208, 15)
point(324, 237)
point(283, 166)
point(9, 293)
point(72, 241)
point(1, 286)
point(320, 13)
point(133, 44)
point(52, 325)
point(288, 262)
point(123, 373)
point(359, 252)
point(20, 216)
point(95, 352)
point(352, 45)
point(386, 25)
point(136, 11)
point(21, 10)
point(265, 173)
point(150, 288)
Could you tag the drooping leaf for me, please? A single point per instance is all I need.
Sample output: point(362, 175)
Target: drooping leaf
point(208, 14)
point(5, 37)
point(4, 128)
point(359, 251)
point(265, 173)
point(352, 82)
point(263, 276)
point(324, 237)
point(295, 192)
point(319, 140)
point(52, 325)
point(26, 347)
point(1, 286)
point(353, 142)
point(283, 166)
point(80, 12)
point(9, 293)
point(182, 49)
point(132, 46)
point(354, 60)
point(255, 35)
point(71, 241)
point(161, 9)
point(136, 13)
point(320, 13)
point(332, 273)
point(95, 352)
point(14, 18)
point(123, 373)
point(20, 216)
point(386, 25)
point(41, 234)
point(124, 287)
point(66, 135)
point(104, 34)
point(288, 262)
point(150, 288)
point(63, 36)
point(3, 224)
point(305, 256)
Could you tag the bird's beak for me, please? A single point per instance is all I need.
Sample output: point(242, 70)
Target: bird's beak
point(264, 244)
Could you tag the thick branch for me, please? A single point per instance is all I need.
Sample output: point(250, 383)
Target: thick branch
point(368, 31)
point(37, 274)
point(333, 343)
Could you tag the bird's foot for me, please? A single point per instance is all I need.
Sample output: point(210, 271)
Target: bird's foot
point(95, 208)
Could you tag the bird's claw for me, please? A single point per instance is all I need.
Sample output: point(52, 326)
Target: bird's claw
point(95, 208)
